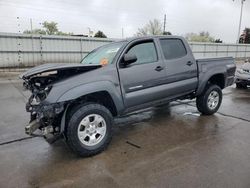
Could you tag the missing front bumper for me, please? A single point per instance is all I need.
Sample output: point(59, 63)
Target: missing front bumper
point(32, 127)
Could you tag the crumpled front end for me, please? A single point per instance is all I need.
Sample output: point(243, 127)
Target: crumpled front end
point(41, 80)
point(43, 116)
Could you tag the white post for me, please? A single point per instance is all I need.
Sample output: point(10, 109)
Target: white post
point(241, 10)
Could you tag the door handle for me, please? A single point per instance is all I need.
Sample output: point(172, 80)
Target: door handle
point(189, 63)
point(159, 68)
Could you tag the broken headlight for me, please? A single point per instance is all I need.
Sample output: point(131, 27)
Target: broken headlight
point(240, 71)
point(38, 96)
point(50, 110)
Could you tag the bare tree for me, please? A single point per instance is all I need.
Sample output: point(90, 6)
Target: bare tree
point(203, 36)
point(153, 27)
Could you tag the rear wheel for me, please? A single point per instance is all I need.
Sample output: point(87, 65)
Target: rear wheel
point(89, 129)
point(209, 102)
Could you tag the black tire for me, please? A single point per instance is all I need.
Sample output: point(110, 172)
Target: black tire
point(77, 116)
point(241, 86)
point(202, 101)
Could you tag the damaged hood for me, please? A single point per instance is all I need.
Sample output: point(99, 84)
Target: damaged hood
point(57, 67)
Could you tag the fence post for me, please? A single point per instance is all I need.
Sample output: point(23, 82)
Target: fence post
point(19, 51)
point(246, 52)
point(81, 47)
point(227, 49)
point(41, 49)
point(236, 51)
point(32, 46)
point(217, 45)
point(205, 48)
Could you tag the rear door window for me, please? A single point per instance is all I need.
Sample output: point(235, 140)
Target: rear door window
point(173, 48)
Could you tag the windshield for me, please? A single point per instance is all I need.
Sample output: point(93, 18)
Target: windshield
point(103, 55)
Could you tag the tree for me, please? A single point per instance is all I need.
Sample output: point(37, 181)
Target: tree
point(100, 34)
point(65, 34)
point(35, 31)
point(153, 27)
point(245, 36)
point(167, 33)
point(50, 27)
point(201, 37)
point(218, 41)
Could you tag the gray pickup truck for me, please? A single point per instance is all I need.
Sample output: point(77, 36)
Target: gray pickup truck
point(80, 101)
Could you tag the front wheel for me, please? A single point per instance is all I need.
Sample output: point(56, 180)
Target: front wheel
point(209, 102)
point(89, 129)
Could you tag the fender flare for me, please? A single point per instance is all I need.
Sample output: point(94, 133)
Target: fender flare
point(206, 76)
point(93, 87)
point(86, 89)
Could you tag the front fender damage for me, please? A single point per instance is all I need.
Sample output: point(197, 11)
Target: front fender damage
point(47, 116)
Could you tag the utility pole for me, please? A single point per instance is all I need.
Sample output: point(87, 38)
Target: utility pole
point(164, 25)
point(241, 11)
point(122, 33)
point(31, 25)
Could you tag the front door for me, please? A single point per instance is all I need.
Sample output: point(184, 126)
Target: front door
point(141, 79)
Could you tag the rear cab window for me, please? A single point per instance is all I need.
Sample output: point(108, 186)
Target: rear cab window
point(173, 48)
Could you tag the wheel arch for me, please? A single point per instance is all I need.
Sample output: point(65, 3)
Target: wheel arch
point(218, 79)
point(107, 88)
point(102, 97)
point(215, 79)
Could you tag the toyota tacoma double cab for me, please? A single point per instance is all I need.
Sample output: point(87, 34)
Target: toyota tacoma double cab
point(78, 102)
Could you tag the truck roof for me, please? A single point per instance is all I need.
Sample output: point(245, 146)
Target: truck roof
point(151, 37)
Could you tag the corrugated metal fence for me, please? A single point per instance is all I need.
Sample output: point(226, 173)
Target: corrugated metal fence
point(19, 50)
point(206, 50)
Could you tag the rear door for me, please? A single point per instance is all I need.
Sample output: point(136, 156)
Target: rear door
point(181, 68)
point(141, 79)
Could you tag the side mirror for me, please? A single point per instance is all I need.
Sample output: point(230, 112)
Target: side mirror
point(129, 59)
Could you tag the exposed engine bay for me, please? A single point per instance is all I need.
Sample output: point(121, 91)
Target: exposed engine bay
point(43, 116)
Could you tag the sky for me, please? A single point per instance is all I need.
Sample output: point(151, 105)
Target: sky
point(219, 17)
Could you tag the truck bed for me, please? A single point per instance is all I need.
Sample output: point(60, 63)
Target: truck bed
point(208, 67)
